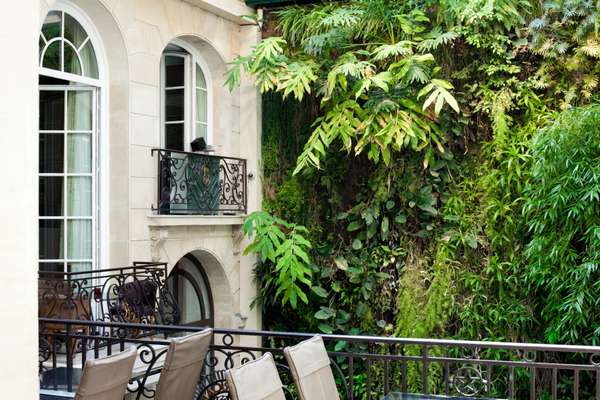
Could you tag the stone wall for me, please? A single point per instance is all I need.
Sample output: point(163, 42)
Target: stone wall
point(134, 34)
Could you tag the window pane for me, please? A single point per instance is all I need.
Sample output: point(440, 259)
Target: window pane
point(73, 31)
point(52, 56)
point(41, 46)
point(191, 305)
point(79, 153)
point(51, 152)
point(79, 234)
point(79, 196)
point(201, 131)
point(52, 24)
point(174, 71)
point(51, 196)
point(88, 58)
point(51, 267)
point(79, 267)
point(79, 110)
point(201, 105)
point(174, 100)
point(52, 110)
point(174, 137)
point(200, 80)
point(51, 239)
point(72, 63)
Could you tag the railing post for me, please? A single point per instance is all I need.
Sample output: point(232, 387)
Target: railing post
point(69, 343)
point(425, 355)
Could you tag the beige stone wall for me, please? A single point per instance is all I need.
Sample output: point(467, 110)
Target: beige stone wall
point(134, 34)
point(18, 202)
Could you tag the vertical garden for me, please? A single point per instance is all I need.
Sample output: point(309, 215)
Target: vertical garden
point(430, 168)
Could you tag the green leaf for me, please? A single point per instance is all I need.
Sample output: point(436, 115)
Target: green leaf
point(325, 313)
point(341, 263)
point(354, 226)
point(319, 291)
point(326, 328)
point(340, 345)
point(356, 244)
point(400, 218)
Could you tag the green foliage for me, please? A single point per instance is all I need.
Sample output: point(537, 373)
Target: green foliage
point(283, 245)
point(479, 223)
point(563, 217)
point(371, 66)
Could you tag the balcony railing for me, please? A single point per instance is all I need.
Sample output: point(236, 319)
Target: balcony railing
point(365, 367)
point(136, 293)
point(200, 184)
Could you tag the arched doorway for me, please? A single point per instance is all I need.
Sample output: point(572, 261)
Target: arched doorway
point(189, 285)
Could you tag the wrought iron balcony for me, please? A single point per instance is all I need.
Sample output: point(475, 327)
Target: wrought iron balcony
point(365, 367)
point(136, 293)
point(200, 184)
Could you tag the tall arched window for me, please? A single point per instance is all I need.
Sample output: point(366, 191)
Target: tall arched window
point(68, 142)
point(185, 98)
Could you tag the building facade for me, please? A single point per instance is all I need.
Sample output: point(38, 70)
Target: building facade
point(120, 94)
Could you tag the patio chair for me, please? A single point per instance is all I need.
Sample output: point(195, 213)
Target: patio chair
point(183, 365)
point(255, 380)
point(106, 378)
point(311, 370)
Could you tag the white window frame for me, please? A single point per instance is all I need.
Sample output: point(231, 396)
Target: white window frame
point(101, 231)
point(65, 176)
point(192, 58)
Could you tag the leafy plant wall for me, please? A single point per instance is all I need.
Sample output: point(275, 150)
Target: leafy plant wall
point(443, 156)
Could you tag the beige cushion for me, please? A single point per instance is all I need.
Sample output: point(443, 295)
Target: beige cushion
point(311, 369)
point(106, 378)
point(183, 366)
point(255, 380)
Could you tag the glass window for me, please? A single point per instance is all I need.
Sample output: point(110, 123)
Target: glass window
point(189, 284)
point(65, 46)
point(66, 179)
point(185, 99)
point(51, 152)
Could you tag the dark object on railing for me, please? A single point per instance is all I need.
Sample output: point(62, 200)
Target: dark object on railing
point(138, 299)
point(198, 144)
point(200, 184)
point(130, 294)
point(365, 367)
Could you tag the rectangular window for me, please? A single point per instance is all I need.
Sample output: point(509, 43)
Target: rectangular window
point(67, 178)
point(185, 99)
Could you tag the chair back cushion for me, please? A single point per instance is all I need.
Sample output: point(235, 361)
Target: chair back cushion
point(183, 366)
point(311, 369)
point(255, 380)
point(106, 378)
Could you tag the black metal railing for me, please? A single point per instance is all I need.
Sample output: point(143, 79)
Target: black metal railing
point(136, 293)
point(200, 184)
point(364, 367)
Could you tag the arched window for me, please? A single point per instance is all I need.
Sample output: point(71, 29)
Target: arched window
point(185, 98)
point(189, 284)
point(68, 142)
point(66, 47)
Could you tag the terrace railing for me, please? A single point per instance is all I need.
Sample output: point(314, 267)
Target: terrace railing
point(136, 293)
point(200, 184)
point(365, 367)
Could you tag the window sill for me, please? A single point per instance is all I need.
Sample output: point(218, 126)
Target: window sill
point(195, 220)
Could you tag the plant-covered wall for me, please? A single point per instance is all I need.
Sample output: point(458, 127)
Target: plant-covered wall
point(444, 158)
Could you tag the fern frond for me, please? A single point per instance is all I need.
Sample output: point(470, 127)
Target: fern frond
point(435, 39)
point(401, 48)
point(591, 48)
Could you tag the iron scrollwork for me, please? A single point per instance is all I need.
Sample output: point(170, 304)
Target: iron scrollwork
point(191, 183)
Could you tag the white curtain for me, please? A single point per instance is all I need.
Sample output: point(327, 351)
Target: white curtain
point(79, 188)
